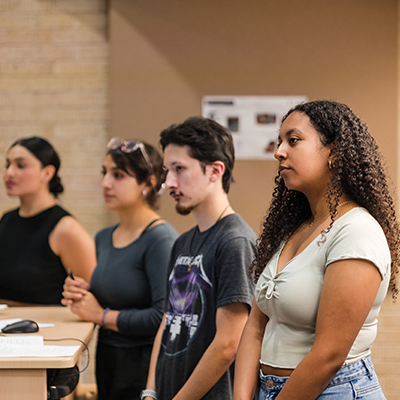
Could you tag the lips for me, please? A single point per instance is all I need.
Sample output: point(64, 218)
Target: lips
point(175, 195)
point(10, 184)
point(283, 169)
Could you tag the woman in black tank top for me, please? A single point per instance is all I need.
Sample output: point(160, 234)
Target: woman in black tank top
point(39, 241)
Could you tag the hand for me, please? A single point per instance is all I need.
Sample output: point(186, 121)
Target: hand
point(88, 308)
point(74, 290)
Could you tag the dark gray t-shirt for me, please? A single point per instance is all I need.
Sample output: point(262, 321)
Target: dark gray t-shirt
point(132, 280)
point(218, 276)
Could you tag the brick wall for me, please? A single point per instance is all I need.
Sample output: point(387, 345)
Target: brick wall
point(54, 84)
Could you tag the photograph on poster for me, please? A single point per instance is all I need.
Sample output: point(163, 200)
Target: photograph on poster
point(253, 121)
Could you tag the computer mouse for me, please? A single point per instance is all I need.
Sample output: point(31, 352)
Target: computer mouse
point(25, 326)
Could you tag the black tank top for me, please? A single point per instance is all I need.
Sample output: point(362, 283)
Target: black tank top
point(30, 272)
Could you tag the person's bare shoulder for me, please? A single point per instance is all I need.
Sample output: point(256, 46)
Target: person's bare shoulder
point(68, 232)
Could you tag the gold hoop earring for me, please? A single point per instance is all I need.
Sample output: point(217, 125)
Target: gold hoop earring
point(330, 164)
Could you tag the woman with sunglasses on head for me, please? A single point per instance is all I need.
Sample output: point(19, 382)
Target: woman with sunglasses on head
point(126, 293)
point(327, 255)
point(39, 241)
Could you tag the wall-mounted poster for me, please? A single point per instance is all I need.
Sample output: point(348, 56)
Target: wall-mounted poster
point(253, 120)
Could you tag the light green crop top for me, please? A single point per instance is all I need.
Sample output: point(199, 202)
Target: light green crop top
point(290, 298)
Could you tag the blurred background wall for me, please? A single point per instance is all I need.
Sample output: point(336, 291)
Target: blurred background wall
point(81, 71)
point(166, 55)
point(54, 58)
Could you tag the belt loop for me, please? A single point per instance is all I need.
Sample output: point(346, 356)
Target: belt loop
point(368, 366)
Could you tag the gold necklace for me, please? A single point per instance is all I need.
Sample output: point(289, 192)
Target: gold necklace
point(339, 205)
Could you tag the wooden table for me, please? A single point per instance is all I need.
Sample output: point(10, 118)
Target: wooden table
point(25, 377)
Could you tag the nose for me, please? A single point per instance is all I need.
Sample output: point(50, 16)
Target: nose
point(280, 152)
point(106, 182)
point(170, 180)
point(8, 171)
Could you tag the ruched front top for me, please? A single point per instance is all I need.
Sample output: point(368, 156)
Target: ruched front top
point(290, 298)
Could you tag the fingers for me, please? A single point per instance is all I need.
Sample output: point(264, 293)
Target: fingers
point(74, 289)
point(70, 297)
point(66, 302)
point(75, 285)
point(77, 282)
point(82, 283)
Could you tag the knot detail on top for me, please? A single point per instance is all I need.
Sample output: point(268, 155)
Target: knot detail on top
point(267, 289)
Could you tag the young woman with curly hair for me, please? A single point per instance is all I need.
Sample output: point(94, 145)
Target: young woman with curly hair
point(327, 255)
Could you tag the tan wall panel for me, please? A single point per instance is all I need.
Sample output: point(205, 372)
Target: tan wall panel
point(166, 55)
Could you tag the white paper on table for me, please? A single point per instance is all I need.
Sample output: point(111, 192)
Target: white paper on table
point(22, 340)
point(37, 351)
point(5, 322)
point(3, 306)
point(42, 325)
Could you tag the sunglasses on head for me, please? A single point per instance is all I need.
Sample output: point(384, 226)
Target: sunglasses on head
point(129, 147)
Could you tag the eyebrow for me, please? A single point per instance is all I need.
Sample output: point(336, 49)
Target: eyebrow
point(113, 168)
point(174, 163)
point(16, 159)
point(289, 132)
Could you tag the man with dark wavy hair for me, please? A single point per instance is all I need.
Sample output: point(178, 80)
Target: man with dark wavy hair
point(209, 293)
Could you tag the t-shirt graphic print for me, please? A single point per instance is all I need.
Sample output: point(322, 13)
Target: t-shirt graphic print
point(187, 303)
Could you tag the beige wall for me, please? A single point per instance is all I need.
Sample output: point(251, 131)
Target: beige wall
point(386, 349)
point(54, 84)
point(166, 55)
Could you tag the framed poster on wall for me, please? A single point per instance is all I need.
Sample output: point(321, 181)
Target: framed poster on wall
point(254, 121)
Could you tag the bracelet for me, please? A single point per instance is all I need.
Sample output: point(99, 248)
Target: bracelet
point(103, 318)
point(148, 393)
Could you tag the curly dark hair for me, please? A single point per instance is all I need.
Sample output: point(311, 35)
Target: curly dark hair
point(357, 172)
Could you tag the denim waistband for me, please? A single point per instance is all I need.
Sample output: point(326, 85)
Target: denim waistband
point(345, 374)
point(353, 371)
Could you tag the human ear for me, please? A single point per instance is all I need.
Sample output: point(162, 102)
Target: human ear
point(48, 172)
point(149, 184)
point(217, 170)
point(331, 157)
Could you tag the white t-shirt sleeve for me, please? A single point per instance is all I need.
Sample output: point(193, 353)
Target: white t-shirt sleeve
point(361, 237)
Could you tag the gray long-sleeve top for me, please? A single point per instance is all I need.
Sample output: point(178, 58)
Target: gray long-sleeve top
point(132, 280)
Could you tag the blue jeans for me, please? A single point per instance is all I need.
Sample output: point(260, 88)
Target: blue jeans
point(355, 381)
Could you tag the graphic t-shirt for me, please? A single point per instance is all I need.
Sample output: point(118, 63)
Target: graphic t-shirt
point(208, 270)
